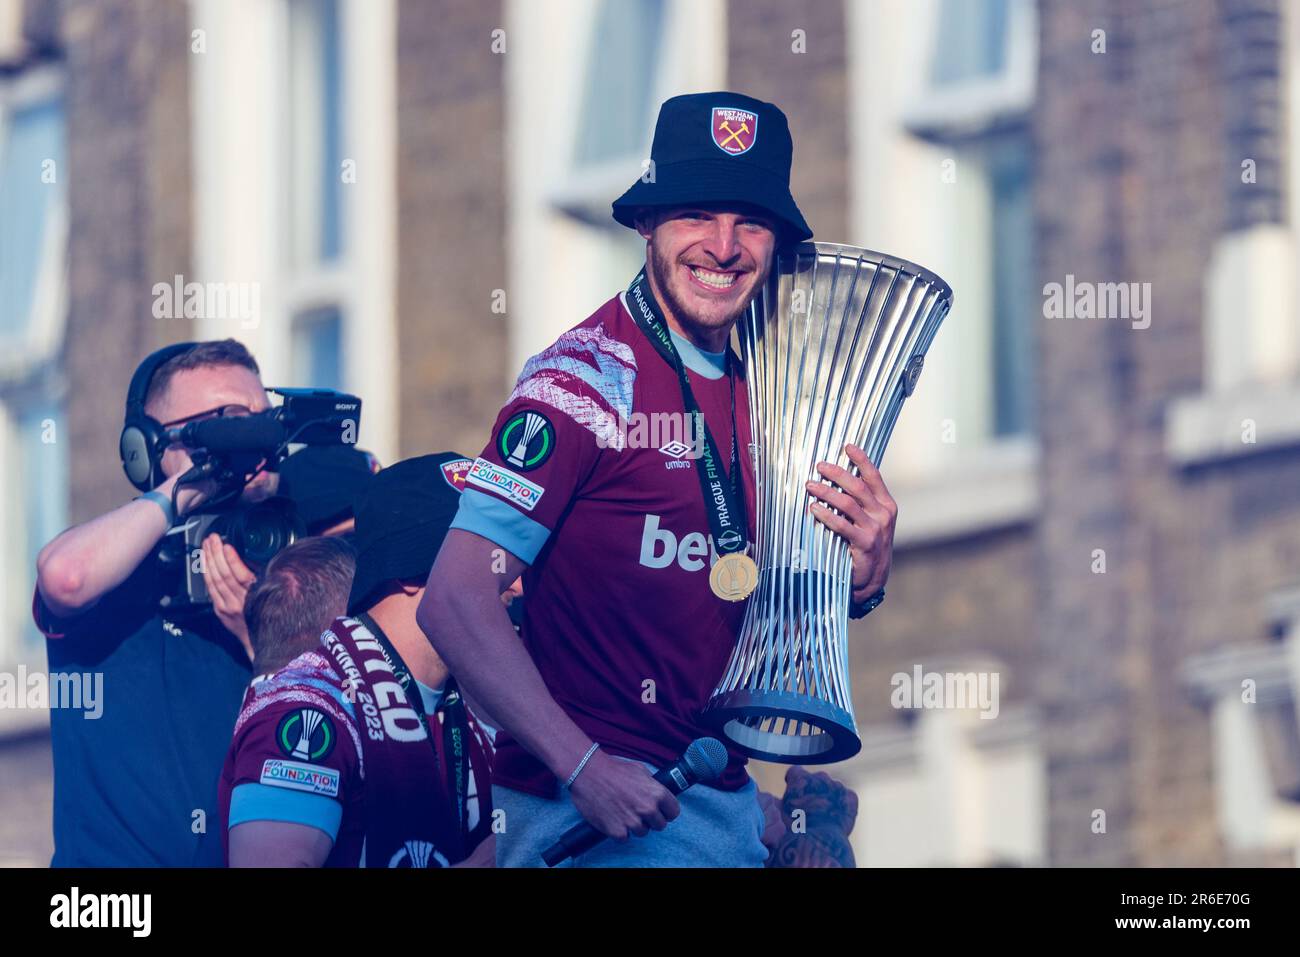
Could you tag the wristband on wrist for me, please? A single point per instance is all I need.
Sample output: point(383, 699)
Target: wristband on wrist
point(163, 502)
point(581, 764)
point(867, 605)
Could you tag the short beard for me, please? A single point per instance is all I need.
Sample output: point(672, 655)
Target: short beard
point(662, 270)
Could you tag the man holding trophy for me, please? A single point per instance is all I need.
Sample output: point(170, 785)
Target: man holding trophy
point(637, 558)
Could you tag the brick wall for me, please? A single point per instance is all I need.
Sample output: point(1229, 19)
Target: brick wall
point(811, 88)
point(1134, 148)
point(451, 224)
point(128, 176)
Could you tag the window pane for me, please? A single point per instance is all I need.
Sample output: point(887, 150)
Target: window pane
point(619, 84)
point(317, 349)
point(315, 132)
point(970, 40)
point(32, 141)
point(1014, 313)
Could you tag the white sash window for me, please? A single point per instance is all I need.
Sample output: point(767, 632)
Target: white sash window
point(295, 169)
point(939, 119)
point(618, 59)
point(33, 290)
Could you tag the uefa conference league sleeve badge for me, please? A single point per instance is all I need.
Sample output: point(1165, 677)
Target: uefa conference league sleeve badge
point(527, 440)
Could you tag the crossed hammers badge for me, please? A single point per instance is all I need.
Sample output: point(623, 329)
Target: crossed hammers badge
point(734, 131)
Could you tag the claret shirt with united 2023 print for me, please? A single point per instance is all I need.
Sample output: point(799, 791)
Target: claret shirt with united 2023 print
point(588, 481)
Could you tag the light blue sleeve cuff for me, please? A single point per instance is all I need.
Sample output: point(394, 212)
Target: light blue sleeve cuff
point(262, 802)
point(488, 516)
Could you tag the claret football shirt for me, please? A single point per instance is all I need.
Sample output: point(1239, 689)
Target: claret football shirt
point(589, 477)
point(297, 757)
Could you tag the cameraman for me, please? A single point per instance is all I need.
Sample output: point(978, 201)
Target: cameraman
point(137, 787)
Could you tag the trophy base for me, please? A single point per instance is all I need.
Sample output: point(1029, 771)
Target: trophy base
point(783, 727)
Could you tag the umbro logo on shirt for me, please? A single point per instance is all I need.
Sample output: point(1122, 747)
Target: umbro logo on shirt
point(675, 451)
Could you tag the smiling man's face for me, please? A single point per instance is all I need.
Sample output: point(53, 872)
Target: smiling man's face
point(705, 265)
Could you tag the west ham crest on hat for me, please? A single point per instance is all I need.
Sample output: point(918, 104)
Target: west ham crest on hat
point(455, 471)
point(734, 131)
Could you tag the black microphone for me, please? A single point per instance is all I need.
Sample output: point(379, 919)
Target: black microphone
point(703, 761)
point(241, 433)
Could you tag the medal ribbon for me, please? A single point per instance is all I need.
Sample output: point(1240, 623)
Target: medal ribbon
point(723, 499)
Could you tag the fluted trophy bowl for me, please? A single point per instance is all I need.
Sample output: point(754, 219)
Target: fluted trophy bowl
point(832, 345)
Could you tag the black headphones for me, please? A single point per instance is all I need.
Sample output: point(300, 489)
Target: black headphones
point(143, 438)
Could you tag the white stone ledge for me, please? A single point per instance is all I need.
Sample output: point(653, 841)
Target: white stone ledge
point(1202, 429)
point(993, 487)
point(1219, 673)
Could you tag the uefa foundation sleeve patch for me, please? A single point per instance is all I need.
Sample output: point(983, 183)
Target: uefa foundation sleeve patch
point(514, 488)
point(296, 776)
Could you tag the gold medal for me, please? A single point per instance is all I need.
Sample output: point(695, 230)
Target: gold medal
point(734, 577)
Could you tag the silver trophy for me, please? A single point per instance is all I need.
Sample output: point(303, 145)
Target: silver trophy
point(832, 345)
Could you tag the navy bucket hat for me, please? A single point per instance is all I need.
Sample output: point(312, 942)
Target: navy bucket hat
point(719, 147)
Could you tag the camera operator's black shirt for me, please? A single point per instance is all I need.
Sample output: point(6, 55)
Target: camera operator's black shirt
point(129, 785)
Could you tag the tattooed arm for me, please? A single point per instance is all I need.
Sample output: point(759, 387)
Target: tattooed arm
point(819, 815)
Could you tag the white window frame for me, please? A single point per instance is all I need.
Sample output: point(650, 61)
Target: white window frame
point(241, 215)
point(975, 106)
point(21, 358)
point(585, 190)
point(1251, 322)
point(560, 221)
point(896, 200)
point(1251, 816)
point(42, 336)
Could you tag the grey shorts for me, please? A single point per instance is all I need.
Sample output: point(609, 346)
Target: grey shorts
point(715, 829)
